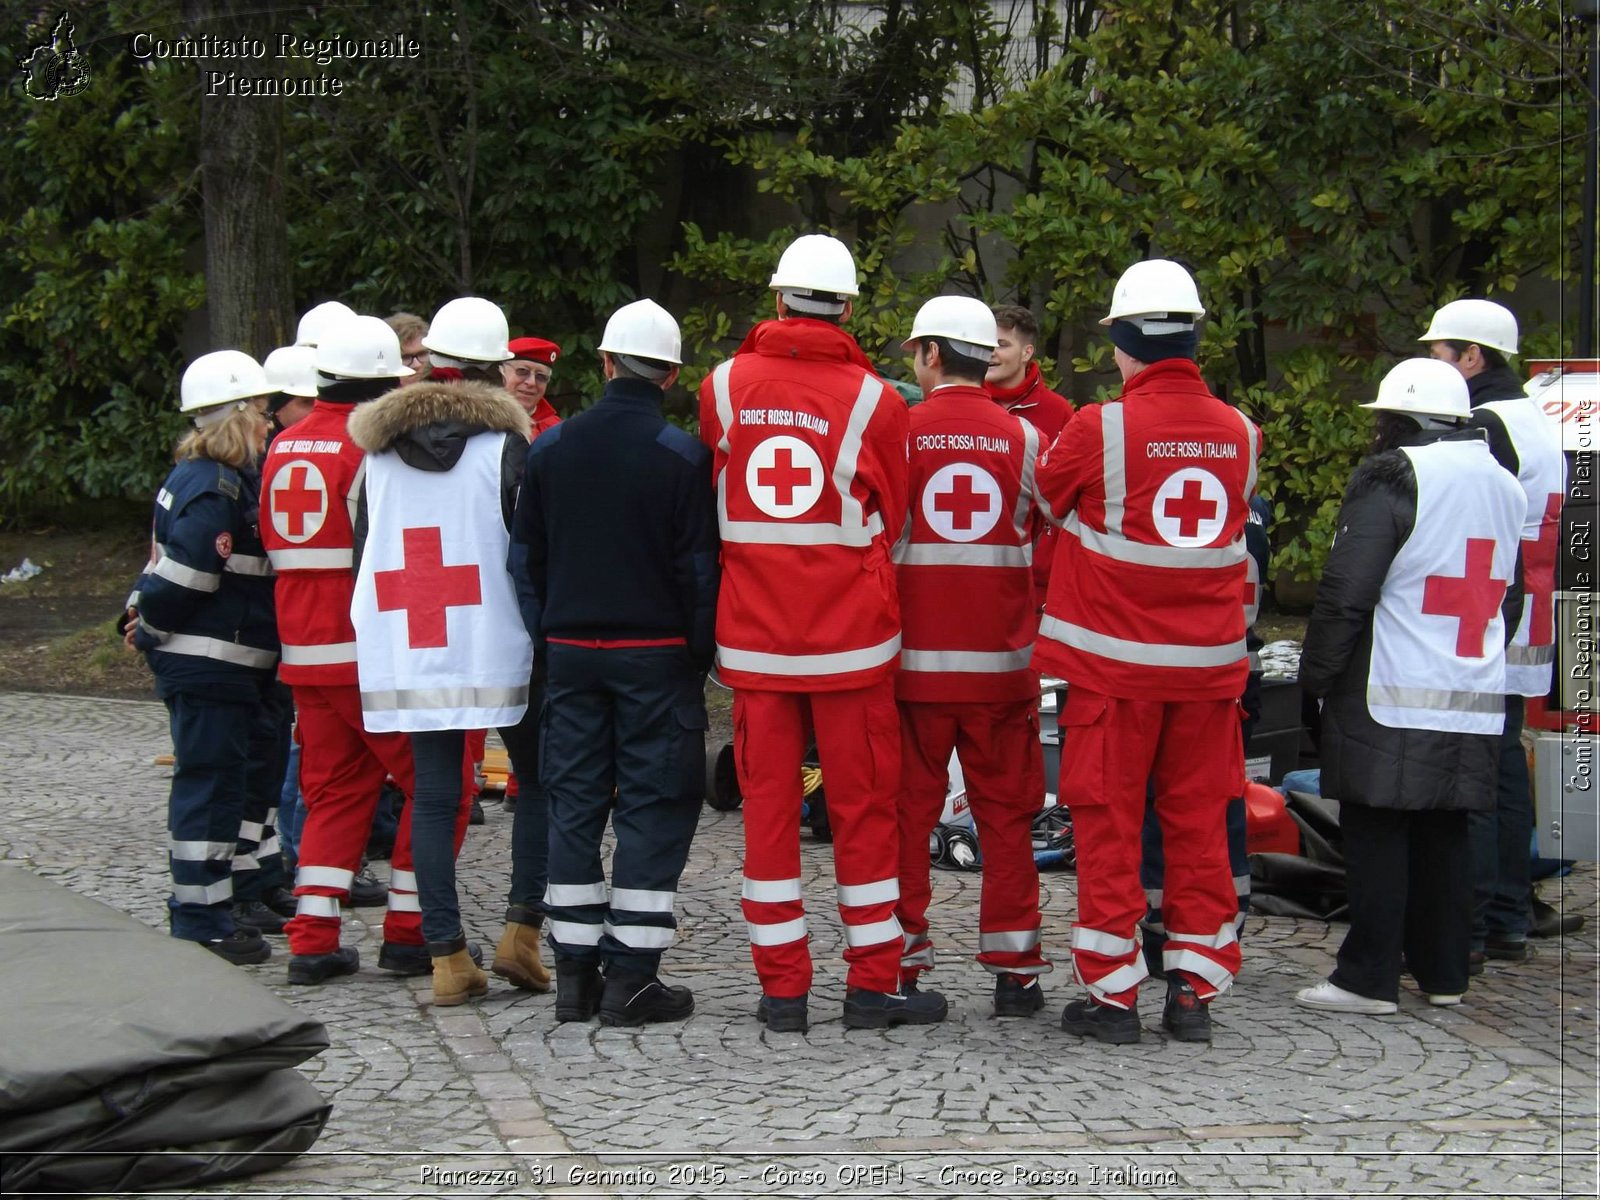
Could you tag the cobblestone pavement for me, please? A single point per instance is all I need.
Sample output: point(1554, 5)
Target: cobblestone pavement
point(1495, 1098)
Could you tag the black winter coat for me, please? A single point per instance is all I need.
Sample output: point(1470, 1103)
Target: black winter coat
point(1364, 762)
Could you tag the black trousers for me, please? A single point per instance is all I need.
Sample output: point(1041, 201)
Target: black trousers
point(1409, 877)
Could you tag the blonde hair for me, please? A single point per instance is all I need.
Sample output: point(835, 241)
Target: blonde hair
point(408, 327)
point(229, 441)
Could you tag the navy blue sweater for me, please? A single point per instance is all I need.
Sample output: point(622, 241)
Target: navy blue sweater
point(615, 532)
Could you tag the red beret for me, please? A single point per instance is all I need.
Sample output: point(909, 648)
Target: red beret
point(534, 349)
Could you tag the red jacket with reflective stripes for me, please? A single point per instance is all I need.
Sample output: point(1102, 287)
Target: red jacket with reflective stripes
point(1048, 412)
point(1153, 491)
point(309, 482)
point(810, 468)
point(963, 563)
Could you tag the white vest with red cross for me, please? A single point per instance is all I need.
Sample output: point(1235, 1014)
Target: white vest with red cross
point(964, 561)
point(1542, 472)
point(309, 484)
point(1152, 492)
point(439, 639)
point(1438, 639)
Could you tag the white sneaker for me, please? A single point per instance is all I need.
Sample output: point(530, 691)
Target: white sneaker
point(1328, 995)
point(1443, 1000)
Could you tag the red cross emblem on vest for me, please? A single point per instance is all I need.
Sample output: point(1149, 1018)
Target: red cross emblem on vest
point(1472, 598)
point(299, 492)
point(424, 588)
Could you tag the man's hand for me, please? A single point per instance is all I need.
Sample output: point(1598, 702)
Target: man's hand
point(131, 628)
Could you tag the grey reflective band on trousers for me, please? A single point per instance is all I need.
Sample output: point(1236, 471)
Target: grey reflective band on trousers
point(302, 559)
point(404, 699)
point(230, 652)
point(1147, 654)
point(961, 554)
point(839, 663)
point(1434, 699)
point(1015, 941)
point(973, 662)
point(1529, 656)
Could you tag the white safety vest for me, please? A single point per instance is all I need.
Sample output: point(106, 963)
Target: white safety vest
point(1438, 639)
point(1542, 472)
point(439, 638)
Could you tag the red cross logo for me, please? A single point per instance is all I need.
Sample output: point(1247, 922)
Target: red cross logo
point(961, 502)
point(424, 588)
point(1473, 598)
point(1539, 574)
point(1189, 509)
point(298, 492)
point(783, 476)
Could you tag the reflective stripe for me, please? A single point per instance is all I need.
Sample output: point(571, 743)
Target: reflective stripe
point(642, 900)
point(917, 952)
point(961, 554)
point(272, 815)
point(317, 906)
point(854, 895)
point(352, 498)
point(641, 937)
point(1224, 937)
point(268, 848)
point(299, 559)
point(838, 663)
point(404, 902)
point(1112, 466)
point(973, 662)
point(245, 862)
point(844, 467)
point(574, 895)
point(200, 851)
point(1241, 886)
point(724, 397)
point(164, 498)
point(248, 564)
point(779, 934)
point(251, 831)
point(1254, 660)
point(1014, 941)
point(799, 533)
point(1152, 654)
point(1013, 969)
point(575, 933)
point(1529, 656)
point(174, 571)
point(406, 881)
point(205, 647)
point(1192, 961)
point(1153, 897)
point(770, 891)
point(874, 933)
point(213, 893)
point(1117, 547)
point(1120, 980)
point(444, 697)
point(1437, 699)
point(319, 656)
point(158, 634)
point(1019, 515)
point(1094, 941)
point(333, 877)
point(1253, 436)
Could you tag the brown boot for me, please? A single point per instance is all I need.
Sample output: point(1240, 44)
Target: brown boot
point(517, 958)
point(456, 977)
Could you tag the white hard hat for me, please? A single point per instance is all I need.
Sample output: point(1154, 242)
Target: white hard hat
point(1482, 322)
point(317, 321)
point(968, 323)
point(1426, 387)
point(816, 262)
point(221, 377)
point(1152, 289)
point(643, 329)
point(469, 329)
point(361, 348)
point(292, 370)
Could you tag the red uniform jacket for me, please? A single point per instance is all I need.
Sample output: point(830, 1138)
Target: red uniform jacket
point(310, 481)
point(810, 470)
point(966, 587)
point(1049, 413)
point(1153, 492)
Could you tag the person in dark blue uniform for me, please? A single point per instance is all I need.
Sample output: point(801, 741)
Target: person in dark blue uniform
point(202, 612)
point(614, 553)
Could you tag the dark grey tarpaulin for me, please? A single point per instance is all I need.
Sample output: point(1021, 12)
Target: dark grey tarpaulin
point(173, 1065)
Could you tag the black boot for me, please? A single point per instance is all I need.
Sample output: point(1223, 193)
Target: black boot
point(318, 968)
point(642, 1000)
point(254, 914)
point(783, 1014)
point(241, 947)
point(578, 988)
point(404, 959)
point(1102, 1022)
point(879, 1010)
point(1185, 1016)
point(1017, 996)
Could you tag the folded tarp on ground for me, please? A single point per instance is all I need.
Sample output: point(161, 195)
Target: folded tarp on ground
point(130, 1060)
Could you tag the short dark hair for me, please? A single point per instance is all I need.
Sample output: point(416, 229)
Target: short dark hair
point(628, 366)
point(1014, 316)
point(1491, 356)
point(956, 364)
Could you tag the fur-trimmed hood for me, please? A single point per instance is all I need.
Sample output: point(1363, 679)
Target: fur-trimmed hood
point(462, 408)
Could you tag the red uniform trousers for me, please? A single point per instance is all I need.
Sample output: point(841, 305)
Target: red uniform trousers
point(1111, 749)
point(998, 743)
point(858, 743)
point(342, 771)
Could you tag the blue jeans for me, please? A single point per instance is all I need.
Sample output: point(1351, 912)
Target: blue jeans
point(1499, 840)
point(291, 811)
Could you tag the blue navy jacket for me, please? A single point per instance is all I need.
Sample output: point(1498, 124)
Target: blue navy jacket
point(615, 532)
point(205, 600)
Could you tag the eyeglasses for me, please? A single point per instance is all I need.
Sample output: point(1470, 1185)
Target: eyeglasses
point(529, 374)
point(419, 359)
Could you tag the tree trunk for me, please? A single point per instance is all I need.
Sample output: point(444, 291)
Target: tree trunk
point(249, 304)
